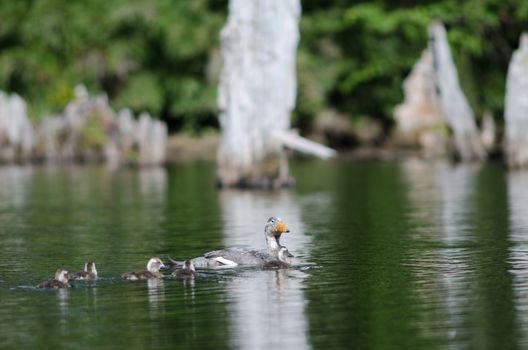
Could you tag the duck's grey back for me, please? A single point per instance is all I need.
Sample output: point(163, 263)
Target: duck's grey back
point(236, 255)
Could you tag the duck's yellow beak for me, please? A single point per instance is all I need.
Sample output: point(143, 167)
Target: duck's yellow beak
point(281, 228)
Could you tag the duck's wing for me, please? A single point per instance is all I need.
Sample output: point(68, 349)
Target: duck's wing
point(202, 262)
point(211, 260)
point(238, 257)
point(226, 258)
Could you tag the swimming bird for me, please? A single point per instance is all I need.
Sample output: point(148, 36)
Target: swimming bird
point(284, 260)
point(188, 270)
point(232, 257)
point(60, 281)
point(152, 271)
point(89, 272)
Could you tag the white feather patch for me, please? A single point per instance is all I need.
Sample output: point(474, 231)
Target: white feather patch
point(226, 262)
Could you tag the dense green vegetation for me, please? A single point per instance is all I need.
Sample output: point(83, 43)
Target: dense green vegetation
point(163, 55)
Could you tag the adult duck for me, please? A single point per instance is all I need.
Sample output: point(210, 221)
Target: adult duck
point(233, 257)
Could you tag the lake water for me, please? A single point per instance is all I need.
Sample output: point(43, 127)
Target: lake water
point(389, 255)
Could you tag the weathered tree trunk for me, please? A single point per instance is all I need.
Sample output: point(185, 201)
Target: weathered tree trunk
point(257, 91)
point(17, 135)
point(488, 132)
point(516, 107)
point(455, 108)
point(419, 118)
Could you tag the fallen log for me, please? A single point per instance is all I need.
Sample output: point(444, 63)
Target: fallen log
point(291, 139)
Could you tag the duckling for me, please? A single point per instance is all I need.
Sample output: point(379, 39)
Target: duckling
point(152, 271)
point(89, 272)
point(60, 281)
point(284, 260)
point(188, 270)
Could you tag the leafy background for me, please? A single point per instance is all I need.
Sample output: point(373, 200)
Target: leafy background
point(163, 56)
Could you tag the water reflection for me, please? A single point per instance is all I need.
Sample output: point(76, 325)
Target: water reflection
point(267, 310)
point(460, 263)
point(15, 178)
point(153, 183)
point(421, 255)
point(156, 296)
point(63, 296)
point(13, 201)
point(266, 307)
point(518, 205)
point(440, 195)
point(188, 283)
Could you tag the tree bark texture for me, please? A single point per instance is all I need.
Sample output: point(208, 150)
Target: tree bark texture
point(456, 110)
point(516, 107)
point(257, 91)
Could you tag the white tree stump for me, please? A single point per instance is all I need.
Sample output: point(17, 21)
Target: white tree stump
point(456, 110)
point(17, 135)
point(516, 107)
point(419, 118)
point(257, 90)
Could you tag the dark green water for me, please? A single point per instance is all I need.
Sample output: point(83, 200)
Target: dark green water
point(409, 255)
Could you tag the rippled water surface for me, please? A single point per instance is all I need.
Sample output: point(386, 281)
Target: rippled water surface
point(389, 255)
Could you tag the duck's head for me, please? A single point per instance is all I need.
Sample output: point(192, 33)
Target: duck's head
point(61, 275)
point(155, 264)
point(275, 227)
point(188, 265)
point(285, 256)
point(90, 267)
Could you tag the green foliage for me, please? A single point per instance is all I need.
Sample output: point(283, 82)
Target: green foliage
point(93, 134)
point(379, 41)
point(141, 93)
point(162, 55)
point(148, 55)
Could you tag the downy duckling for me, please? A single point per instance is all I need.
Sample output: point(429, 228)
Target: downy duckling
point(89, 272)
point(187, 270)
point(284, 260)
point(152, 271)
point(60, 281)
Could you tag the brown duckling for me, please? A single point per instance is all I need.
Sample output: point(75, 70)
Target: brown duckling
point(152, 271)
point(60, 281)
point(284, 260)
point(89, 272)
point(187, 270)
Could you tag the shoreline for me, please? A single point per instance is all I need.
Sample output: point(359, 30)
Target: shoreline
point(183, 147)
